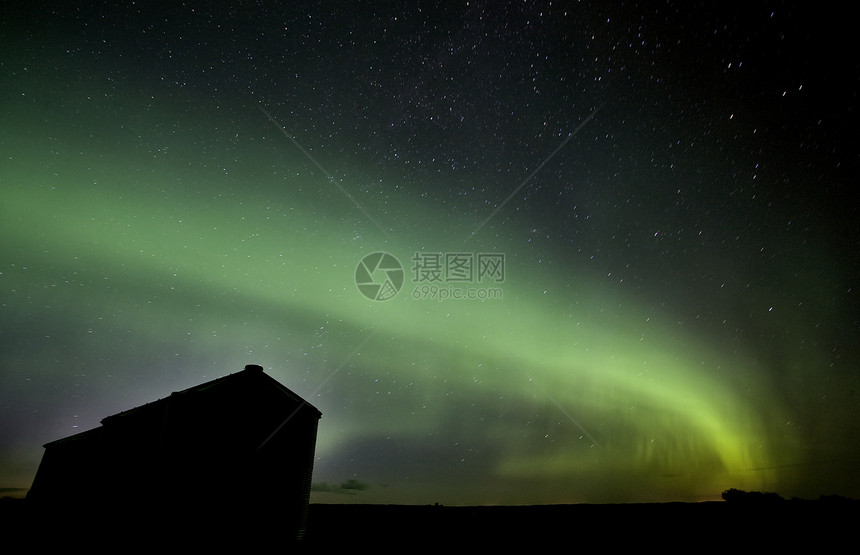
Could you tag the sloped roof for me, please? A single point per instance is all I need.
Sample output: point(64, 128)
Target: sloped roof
point(251, 373)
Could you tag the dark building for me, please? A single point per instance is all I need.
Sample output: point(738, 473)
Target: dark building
point(236, 451)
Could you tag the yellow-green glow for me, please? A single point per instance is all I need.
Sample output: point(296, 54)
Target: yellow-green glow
point(618, 388)
point(678, 315)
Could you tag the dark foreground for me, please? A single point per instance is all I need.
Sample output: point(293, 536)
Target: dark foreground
point(687, 527)
point(664, 526)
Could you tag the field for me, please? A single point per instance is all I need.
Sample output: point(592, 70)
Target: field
point(686, 527)
point(682, 526)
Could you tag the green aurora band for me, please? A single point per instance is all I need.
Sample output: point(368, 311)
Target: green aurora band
point(577, 388)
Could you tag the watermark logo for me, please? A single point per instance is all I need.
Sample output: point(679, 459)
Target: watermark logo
point(436, 275)
point(379, 276)
point(458, 267)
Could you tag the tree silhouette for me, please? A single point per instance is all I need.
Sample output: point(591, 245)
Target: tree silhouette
point(738, 496)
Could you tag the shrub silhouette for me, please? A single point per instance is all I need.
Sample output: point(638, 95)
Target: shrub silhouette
point(738, 496)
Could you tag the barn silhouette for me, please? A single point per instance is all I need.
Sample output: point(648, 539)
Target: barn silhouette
point(236, 450)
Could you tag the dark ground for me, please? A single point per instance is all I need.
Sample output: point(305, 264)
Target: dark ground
point(819, 526)
point(681, 526)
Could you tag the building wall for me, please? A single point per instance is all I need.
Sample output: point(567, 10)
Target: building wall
point(203, 456)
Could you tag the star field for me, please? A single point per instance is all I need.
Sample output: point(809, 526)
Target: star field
point(188, 189)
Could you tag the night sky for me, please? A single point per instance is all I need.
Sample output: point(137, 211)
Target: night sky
point(621, 239)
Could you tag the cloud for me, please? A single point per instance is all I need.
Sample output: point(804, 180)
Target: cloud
point(349, 487)
point(354, 485)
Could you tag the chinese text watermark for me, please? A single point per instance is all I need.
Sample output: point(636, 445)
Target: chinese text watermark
point(435, 275)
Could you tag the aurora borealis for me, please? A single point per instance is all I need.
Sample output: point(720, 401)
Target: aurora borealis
point(186, 190)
